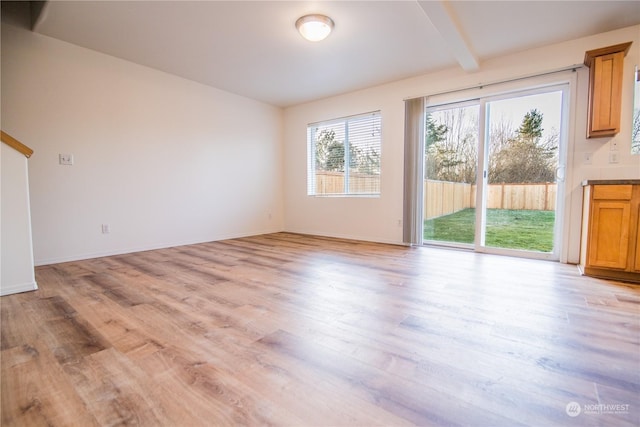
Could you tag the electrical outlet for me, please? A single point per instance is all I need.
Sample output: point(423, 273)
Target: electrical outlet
point(106, 229)
point(587, 159)
point(65, 159)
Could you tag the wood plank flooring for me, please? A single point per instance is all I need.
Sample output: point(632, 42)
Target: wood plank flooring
point(293, 330)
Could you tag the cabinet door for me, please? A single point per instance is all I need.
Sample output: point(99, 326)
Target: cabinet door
point(606, 81)
point(636, 266)
point(609, 242)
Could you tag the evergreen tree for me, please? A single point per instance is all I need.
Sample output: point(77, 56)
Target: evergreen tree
point(330, 155)
point(435, 132)
point(531, 126)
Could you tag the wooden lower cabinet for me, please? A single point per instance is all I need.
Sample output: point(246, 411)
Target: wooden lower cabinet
point(610, 231)
point(636, 263)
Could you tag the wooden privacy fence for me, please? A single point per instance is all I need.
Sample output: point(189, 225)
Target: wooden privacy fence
point(333, 183)
point(444, 198)
point(535, 196)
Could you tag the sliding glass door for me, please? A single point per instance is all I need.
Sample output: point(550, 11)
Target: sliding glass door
point(494, 172)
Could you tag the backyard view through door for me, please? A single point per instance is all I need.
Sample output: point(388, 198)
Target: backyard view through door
point(492, 173)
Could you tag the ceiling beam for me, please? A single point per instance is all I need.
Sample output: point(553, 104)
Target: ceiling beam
point(444, 20)
point(38, 13)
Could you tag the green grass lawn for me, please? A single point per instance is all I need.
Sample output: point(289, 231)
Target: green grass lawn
point(512, 229)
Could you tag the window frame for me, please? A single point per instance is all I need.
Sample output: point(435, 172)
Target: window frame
point(376, 121)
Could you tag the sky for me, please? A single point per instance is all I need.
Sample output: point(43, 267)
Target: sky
point(514, 110)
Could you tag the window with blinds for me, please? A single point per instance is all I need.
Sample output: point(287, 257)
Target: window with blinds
point(343, 156)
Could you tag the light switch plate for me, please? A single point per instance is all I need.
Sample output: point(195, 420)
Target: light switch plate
point(614, 157)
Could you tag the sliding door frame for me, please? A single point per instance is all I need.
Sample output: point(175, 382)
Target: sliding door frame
point(483, 171)
point(564, 81)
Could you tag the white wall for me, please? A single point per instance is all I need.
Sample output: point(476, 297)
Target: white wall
point(166, 161)
point(377, 218)
point(163, 160)
point(16, 258)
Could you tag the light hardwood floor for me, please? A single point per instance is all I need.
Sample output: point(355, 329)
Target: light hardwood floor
point(285, 329)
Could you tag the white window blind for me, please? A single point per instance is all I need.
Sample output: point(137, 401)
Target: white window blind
point(343, 156)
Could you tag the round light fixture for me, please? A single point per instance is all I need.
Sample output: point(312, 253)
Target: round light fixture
point(314, 27)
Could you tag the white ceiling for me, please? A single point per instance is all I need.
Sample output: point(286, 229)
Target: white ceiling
point(252, 48)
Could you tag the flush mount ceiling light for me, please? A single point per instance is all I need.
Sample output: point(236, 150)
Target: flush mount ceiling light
point(314, 27)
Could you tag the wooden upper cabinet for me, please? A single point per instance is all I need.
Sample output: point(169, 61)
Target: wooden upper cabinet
point(605, 89)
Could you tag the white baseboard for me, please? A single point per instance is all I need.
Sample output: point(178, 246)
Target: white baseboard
point(17, 288)
point(79, 257)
